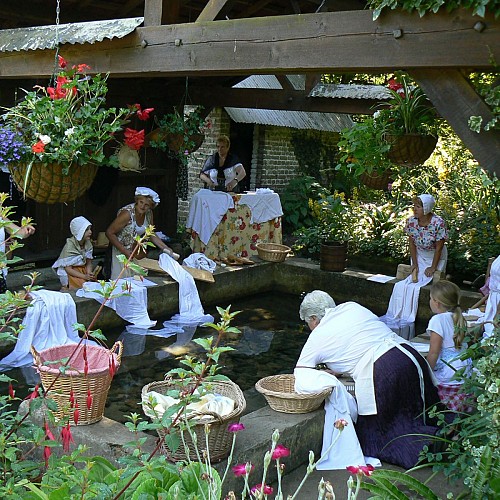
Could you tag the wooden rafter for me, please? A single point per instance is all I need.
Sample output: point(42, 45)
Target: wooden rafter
point(211, 10)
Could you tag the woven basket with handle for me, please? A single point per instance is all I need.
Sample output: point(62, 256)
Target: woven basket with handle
point(48, 184)
point(219, 438)
point(97, 381)
point(272, 252)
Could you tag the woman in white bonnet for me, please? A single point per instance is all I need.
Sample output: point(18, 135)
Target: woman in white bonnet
point(74, 265)
point(427, 235)
point(132, 220)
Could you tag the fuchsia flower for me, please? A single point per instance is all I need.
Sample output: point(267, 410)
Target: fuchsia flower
point(46, 455)
point(267, 490)
point(71, 398)
point(241, 469)
point(76, 414)
point(67, 437)
point(280, 451)
point(365, 470)
point(236, 427)
point(89, 399)
point(12, 392)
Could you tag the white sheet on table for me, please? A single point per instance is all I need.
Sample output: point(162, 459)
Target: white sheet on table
point(340, 404)
point(380, 278)
point(132, 306)
point(206, 211)
point(48, 322)
point(200, 261)
point(190, 309)
point(263, 206)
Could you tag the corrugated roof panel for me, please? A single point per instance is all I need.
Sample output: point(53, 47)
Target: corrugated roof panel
point(44, 37)
point(259, 82)
point(350, 91)
point(329, 122)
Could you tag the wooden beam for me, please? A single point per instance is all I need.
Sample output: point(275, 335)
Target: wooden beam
point(456, 101)
point(311, 43)
point(312, 79)
point(153, 12)
point(211, 10)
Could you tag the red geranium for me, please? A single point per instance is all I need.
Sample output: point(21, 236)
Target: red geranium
point(134, 139)
point(39, 147)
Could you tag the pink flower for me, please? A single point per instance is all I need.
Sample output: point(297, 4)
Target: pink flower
point(67, 437)
point(267, 490)
point(241, 469)
point(236, 427)
point(12, 392)
point(62, 62)
point(76, 414)
point(280, 451)
point(46, 455)
point(89, 399)
point(365, 470)
point(340, 424)
point(143, 114)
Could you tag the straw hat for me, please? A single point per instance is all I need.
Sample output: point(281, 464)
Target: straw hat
point(129, 159)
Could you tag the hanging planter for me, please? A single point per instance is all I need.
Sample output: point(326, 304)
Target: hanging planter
point(410, 150)
point(377, 180)
point(47, 183)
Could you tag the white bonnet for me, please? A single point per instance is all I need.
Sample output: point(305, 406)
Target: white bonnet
point(315, 303)
point(78, 226)
point(428, 202)
point(145, 191)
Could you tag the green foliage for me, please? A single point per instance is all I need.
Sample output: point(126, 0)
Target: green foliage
point(478, 7)
point(491, 96)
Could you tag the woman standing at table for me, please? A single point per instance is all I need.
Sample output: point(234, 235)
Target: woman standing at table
point(222, 171)
point(132, 220)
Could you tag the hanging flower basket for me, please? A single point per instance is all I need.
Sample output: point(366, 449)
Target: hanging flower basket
point(176, 142)
point(410, 150)
point(376, 180)
point(46, 183)
point(88, 391)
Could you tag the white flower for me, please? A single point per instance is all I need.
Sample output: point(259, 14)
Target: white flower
point(44, 138)
point(69, 131)
point(376, 114)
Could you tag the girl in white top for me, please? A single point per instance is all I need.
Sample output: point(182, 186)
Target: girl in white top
point(447, 330)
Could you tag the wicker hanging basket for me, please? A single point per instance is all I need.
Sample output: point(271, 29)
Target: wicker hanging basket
point(410, 150)
point(48, 184)
point(97, 380)
point(219, 438)
point(376, 180)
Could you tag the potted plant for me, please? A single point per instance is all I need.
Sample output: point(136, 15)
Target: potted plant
point(56, 135)
point(328, 237)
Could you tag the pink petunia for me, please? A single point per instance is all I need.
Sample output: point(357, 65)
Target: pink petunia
point(280, 451)
point(235, 427)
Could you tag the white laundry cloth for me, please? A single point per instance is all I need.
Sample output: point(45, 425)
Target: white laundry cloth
point(190, 308)
point(403, 303)
point(264, 190)
point(338, 405)
point(48, 322)
point(200, 261)
point(264, 206)
point(493, 298)
point(206, 211)
point(131, 306)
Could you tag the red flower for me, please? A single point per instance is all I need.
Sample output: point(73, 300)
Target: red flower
point(39, 147)
point(34, 394)
point(365, 470)
point(59, 92)
point(81, 68)
point(143, 114)
point(280, 451)
point(67, 437)
point(241, 469)
point(235, 427)
point(71, 398)
point(76, 414)
point(112, 367)
point(134, 139)
point(46, 455)
point(12, 393)
point(62, 62)
point(394, 85)
point(267, 490)
point(89, 399)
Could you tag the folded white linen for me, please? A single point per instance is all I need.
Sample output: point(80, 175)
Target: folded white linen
point(200, 261)
point(263, 206)
point(48, 322)
point(129, 300)
point(206, 211)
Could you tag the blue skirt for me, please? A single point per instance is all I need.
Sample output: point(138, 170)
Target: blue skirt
point(397, 433)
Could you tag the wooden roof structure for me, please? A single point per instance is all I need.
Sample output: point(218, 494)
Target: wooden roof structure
point(217, 43)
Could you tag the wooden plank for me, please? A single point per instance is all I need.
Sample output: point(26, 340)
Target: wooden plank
point(323, 42)
point(211, 10)
point(456, 101)
point(153, 12)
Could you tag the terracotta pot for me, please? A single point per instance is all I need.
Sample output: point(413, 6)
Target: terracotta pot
point(410, 150)
point(333, 256)
point(47, 183)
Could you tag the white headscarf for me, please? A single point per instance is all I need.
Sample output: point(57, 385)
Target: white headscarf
point(78, 226)
point(428, 202)
point(145, 191)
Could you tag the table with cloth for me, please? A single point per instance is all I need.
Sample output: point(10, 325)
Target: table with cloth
point(223, 224)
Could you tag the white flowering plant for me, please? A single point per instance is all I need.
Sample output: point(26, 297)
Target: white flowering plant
point(67, 123)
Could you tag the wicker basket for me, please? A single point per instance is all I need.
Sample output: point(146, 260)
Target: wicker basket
point(410, 150)
point(219, 438)
point(47, 183)
point(280, 395)
point(272, 252)
point(98, 377)
point(376, 180)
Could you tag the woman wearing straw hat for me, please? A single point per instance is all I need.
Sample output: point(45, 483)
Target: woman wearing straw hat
point(74, 265)
point(132, 220)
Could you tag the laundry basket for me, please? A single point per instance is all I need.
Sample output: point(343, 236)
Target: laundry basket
point(272, 252)
point(219, 438)
point(100, 362)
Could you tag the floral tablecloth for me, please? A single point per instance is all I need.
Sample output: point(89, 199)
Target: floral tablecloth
point(236, 235)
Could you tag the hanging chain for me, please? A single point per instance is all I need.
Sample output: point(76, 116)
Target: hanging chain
point(56, 42)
